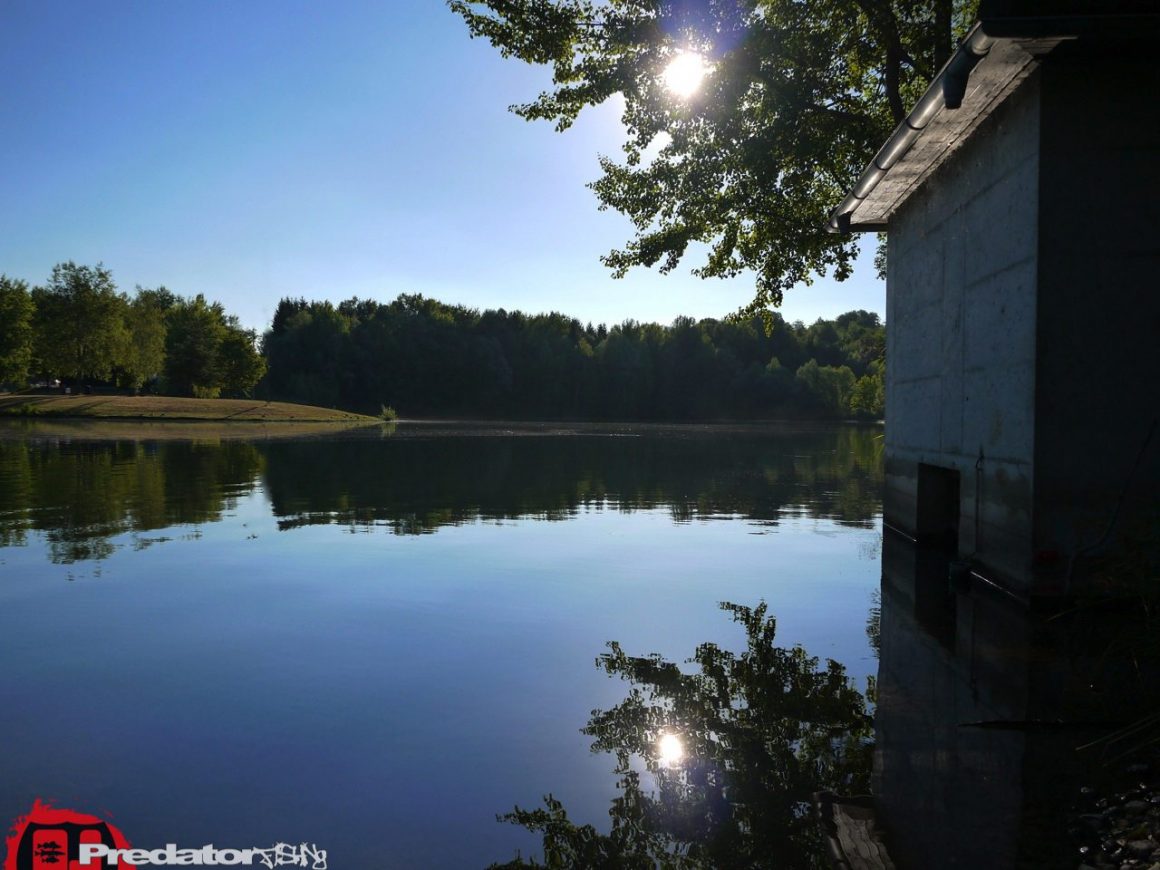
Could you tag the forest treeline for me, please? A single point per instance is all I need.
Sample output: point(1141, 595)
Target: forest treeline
point(427, 358)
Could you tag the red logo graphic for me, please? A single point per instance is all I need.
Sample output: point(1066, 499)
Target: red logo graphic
point(50, 839)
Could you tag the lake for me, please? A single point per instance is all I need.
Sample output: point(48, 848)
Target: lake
point(377, 640)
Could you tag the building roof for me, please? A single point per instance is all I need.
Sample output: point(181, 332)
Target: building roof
point(995, 57)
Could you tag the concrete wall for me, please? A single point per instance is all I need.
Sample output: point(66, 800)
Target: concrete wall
point(1099, 300)
point(960, 314)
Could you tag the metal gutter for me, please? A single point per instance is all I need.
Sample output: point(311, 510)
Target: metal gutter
point(947, 90)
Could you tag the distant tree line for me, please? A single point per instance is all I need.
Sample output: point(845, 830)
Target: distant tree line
point(79, 329)
point(427, 358)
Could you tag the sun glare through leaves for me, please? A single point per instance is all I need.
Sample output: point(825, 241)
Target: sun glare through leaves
point(670, 749)
point(684, 74)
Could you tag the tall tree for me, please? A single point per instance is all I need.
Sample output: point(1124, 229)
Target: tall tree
point(303, 349)
point(79, 326)
point(143, 356)
point(868, 398)
point(796, 98)
point(829, 386)
point(240, 366)
point(196, 331)
point(16, 312)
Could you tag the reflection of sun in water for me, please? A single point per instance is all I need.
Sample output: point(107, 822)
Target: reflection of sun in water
point(684, 73)
point(670, 749)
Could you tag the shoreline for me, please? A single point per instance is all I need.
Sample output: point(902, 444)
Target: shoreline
point(97, 408)
point(234, 412)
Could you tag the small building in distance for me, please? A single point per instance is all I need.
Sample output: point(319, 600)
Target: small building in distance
point(1021, 203)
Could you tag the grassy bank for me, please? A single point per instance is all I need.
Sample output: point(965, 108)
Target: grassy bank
point(170, 408)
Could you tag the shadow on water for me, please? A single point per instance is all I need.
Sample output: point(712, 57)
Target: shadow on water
point(415, 479)
point(993, 722)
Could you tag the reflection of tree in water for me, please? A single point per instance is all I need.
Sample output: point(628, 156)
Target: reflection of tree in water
point(81, 494)
point(761, 731)
point(414, 485)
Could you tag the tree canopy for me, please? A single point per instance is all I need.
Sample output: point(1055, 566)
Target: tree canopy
point(427, 358)
point(16, 311)
point(78, 328)
point(797, 98)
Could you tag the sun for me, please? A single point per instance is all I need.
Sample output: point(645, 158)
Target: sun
point(684, 74)
point(670, 749)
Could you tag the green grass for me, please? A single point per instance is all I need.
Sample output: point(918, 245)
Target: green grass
point(170, 408)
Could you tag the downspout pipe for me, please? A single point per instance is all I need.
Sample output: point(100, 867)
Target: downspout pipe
point(947, 90)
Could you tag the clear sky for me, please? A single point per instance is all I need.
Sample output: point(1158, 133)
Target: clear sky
point(256, 149)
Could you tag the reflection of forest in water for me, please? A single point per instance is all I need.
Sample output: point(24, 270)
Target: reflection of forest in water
point(82, 493)
point(420, 484)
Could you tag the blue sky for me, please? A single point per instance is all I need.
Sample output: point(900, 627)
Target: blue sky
point(253, 149)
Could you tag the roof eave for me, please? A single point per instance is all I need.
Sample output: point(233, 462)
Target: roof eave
point(945, 91)
point(1020, 21)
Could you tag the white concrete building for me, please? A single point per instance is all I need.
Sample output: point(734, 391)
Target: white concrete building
point(1021, 202)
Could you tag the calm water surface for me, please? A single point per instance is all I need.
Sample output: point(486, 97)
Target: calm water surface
point(378, 640)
